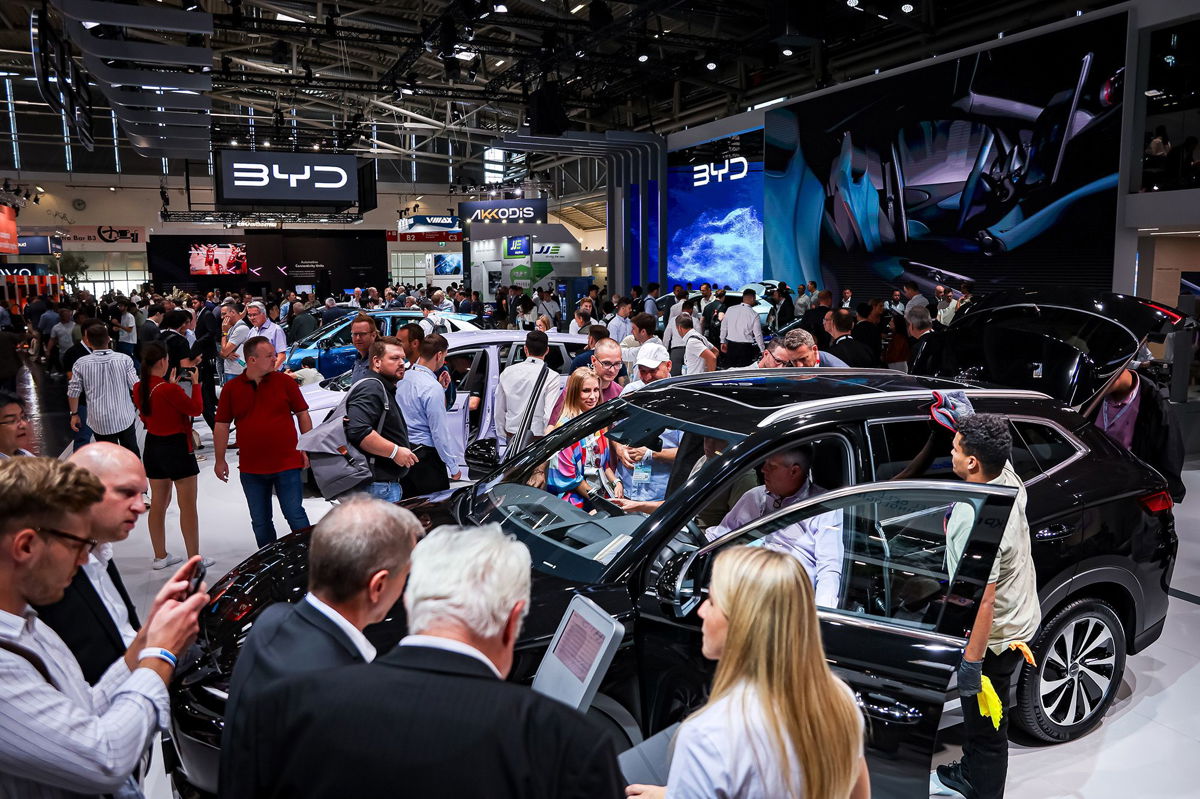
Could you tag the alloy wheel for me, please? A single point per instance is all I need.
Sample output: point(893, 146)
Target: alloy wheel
point(1077, 671)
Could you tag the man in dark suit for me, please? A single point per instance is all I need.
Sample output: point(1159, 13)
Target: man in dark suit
point(928, 345)
point(435, 716)
point(357, 564)
point(96, 618)
point(844, 345)
point(814, 318)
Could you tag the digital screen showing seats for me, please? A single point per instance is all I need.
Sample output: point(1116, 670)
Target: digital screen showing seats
point(578, 647)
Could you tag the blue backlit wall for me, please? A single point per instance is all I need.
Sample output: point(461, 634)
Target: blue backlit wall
point(715, 212)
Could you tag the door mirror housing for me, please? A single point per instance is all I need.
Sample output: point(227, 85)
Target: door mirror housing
point(678, 585)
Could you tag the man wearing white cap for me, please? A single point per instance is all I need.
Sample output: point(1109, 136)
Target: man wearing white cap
point(644, 472)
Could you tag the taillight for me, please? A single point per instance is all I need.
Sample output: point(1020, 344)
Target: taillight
point(1157, 503)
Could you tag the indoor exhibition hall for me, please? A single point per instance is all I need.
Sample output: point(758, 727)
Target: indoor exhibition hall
point(586, 399)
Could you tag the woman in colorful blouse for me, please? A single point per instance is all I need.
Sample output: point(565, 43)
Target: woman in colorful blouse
point(569, 472)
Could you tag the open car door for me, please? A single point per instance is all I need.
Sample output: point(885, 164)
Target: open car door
point(1068, 343)
point(899, 627)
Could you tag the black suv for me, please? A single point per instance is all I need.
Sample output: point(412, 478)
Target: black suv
point(1104, 547)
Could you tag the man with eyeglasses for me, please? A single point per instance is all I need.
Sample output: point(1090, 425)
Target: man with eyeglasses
point(606, 363)
point(14, 427)
point(795, 348)
point(363, 333)
point(60, 737)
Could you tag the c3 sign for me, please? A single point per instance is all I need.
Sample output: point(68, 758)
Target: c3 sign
point(248, 178)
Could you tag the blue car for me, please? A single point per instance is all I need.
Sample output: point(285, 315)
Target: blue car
point(334, 353)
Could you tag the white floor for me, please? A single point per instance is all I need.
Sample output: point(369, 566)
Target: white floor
point(1145, 747)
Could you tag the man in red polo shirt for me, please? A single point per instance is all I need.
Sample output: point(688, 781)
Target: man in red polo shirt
point(262, 401)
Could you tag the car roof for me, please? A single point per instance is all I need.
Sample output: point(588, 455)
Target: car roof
point(742, 399)
point(466, 337)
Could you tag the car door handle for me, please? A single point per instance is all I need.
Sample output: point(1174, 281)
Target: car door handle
point(886, 708)
point(1054, 532)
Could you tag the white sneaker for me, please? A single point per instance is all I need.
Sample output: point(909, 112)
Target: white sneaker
point(207, 562)
point(168, 560)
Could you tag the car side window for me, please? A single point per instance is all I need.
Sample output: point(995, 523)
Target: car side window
point(339, 337)
point(1047, 446)
point(883, 554)
point(897, 446)
point(468, 368)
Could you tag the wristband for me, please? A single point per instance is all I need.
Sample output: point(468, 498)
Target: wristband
point(157, 652)
point(395, 452)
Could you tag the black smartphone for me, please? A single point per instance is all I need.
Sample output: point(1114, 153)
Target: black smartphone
point(196, 578)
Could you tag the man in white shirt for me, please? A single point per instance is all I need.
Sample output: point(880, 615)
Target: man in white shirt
point(358, 562)
point(516, 390)
point(62, 333)
point(237, 331)
point(545, 305)
point(741, 332)
point(816, 541)
point(913, 296)
point(698, 354)
point(643, 328)
point(106, 378)
point(946, 304)
point(99, 637)
point(432, 322)
point(619, 326)
point(127, 337)
point(60, 737)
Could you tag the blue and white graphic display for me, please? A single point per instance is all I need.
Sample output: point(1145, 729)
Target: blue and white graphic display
point(450, 263)
point(715, 212)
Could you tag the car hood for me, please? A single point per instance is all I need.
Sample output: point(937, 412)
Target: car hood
point(318, 397)
point(1067, 343)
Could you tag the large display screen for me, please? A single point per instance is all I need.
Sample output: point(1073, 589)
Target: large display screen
point(715, 212)
point(998, 167)
point(217, 259)
point(450, 263)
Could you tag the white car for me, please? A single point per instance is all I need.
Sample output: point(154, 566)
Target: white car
point(475, 360)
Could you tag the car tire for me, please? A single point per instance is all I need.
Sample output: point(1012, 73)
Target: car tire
point(1080, 654)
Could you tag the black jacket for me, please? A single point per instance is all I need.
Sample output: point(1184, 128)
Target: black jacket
point(814, 322)
point(301, 326)
point(86, 626)
point(368, 399)
point(1157, 438)
point(285, 640)
point(420, 722)
point(928, 354)
point(870, 334)
point(853, 352)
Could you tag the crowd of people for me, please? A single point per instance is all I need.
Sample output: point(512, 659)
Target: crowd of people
point(86, 691)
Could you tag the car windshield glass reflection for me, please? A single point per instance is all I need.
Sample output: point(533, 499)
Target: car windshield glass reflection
point(578, 497)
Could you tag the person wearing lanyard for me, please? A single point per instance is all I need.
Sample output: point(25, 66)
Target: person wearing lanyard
point(421, 399)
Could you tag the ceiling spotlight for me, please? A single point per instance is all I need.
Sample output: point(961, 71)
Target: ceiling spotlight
point(266, 142)
point(233, 142)
point(500, 8)
point(112, 188)
point(40, 190)
point(787, 51)
point(643, 58)
point(710, 65)
point(907, 8)
point(852, 3)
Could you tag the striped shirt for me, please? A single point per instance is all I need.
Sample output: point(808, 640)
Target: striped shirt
point(106, 377)
point(67, 738)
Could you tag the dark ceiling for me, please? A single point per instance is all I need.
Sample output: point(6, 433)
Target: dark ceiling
point(426, 84)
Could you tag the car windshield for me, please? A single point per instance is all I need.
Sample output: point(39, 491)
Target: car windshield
point(321, 332)
point(558, 495)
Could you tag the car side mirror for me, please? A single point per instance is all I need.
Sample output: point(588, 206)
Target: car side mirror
point(678, 585)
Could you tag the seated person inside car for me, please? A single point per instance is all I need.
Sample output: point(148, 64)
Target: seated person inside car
point(815, 541)
point(569, 471)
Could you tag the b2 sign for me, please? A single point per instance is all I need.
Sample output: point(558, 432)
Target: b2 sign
point(258, 178)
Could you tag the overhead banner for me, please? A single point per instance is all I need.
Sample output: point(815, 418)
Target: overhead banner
point(299, 179)
point(503, 211)
point(429, 228)
point(8, 231)
point(39, 245)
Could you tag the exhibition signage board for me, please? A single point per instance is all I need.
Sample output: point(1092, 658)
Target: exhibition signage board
point(427, 228)
point(297, 179)
point(39, 245)
point(8, 231)
point(533, 210)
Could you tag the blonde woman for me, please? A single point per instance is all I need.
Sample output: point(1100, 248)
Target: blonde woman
point(778, 722)
point(544, 323)
point(569, 472)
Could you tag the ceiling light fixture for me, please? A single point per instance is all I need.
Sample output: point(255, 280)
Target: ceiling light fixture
point(787, 51)
point(907, 8)
point(852, 3)
point(643, 58)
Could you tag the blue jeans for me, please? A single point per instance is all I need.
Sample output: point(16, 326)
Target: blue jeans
point(289, 489)
point(388, 492)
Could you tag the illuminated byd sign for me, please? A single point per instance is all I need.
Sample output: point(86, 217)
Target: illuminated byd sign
point(730, 169)
point(296, 179)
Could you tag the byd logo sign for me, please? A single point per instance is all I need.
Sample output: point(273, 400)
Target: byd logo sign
point(730, 169)
point(259, 175)
point(501, 214)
